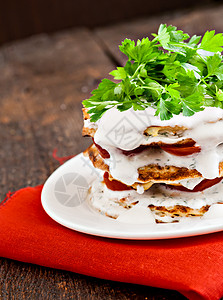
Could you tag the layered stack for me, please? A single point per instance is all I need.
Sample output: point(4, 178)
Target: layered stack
point(172, 168)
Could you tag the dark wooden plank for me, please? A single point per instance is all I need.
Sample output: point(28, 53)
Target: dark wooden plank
point(25, 281)
point(21, 162)
point(19, 158)
point(43, 82)
point(19, 19)
point(191, 21)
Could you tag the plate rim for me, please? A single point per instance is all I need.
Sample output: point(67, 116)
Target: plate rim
point(211, 228)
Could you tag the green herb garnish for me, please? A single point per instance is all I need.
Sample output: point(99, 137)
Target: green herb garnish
point(166, 73)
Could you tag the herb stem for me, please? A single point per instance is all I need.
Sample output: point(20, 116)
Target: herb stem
point(160, 66)
point(138, 68)
point(160, 79)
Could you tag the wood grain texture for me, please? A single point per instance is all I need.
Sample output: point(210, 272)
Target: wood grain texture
point(44, 79)
point(42, 83)
point(191, 21)
point(19, 19)
point(25, 281)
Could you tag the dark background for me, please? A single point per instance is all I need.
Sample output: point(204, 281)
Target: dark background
point(22, 18)
point(43, 81)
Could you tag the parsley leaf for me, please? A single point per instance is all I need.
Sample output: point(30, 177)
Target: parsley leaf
point(172, 73)
point(141, 52)
point(192, 103)
point(212, 42)
point(213, 63)
point(120, 73)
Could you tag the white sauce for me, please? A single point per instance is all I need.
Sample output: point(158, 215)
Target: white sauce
point(108, 201)
point(132, 216)
point(89, 124)
point(124, 130)
point(188, 183)
point(214, 212)
point(140, 189)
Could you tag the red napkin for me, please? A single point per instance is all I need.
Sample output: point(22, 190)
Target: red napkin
point(193, 266)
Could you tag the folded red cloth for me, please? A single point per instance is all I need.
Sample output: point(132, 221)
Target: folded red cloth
point(193, 266)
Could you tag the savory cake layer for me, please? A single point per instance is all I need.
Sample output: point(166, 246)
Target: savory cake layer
point(158, 131)
point(151, 172)
point(165, 204)
point(90, 129)
point(180, 148)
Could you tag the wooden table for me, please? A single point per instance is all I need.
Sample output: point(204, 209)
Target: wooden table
point(43, 81)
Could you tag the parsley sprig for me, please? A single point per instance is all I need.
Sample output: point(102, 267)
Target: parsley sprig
point(172, 73)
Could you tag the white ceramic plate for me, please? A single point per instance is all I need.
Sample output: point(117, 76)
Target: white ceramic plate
point(63, 199)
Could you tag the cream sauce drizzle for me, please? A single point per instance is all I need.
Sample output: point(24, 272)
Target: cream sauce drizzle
point(124, 130)
point(108, 201)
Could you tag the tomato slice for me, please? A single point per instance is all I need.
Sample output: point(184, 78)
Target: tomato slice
point(115, 185)
point(104, 153)
point(181, 150)
point(203, 185)
point(140, 149)
point(178, 149)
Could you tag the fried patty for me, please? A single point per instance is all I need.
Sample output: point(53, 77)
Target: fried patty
point(162, 214)
point(95, 157)
point(175, 131)
point(152, 172)
point(177, 211)
point(86, 131)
